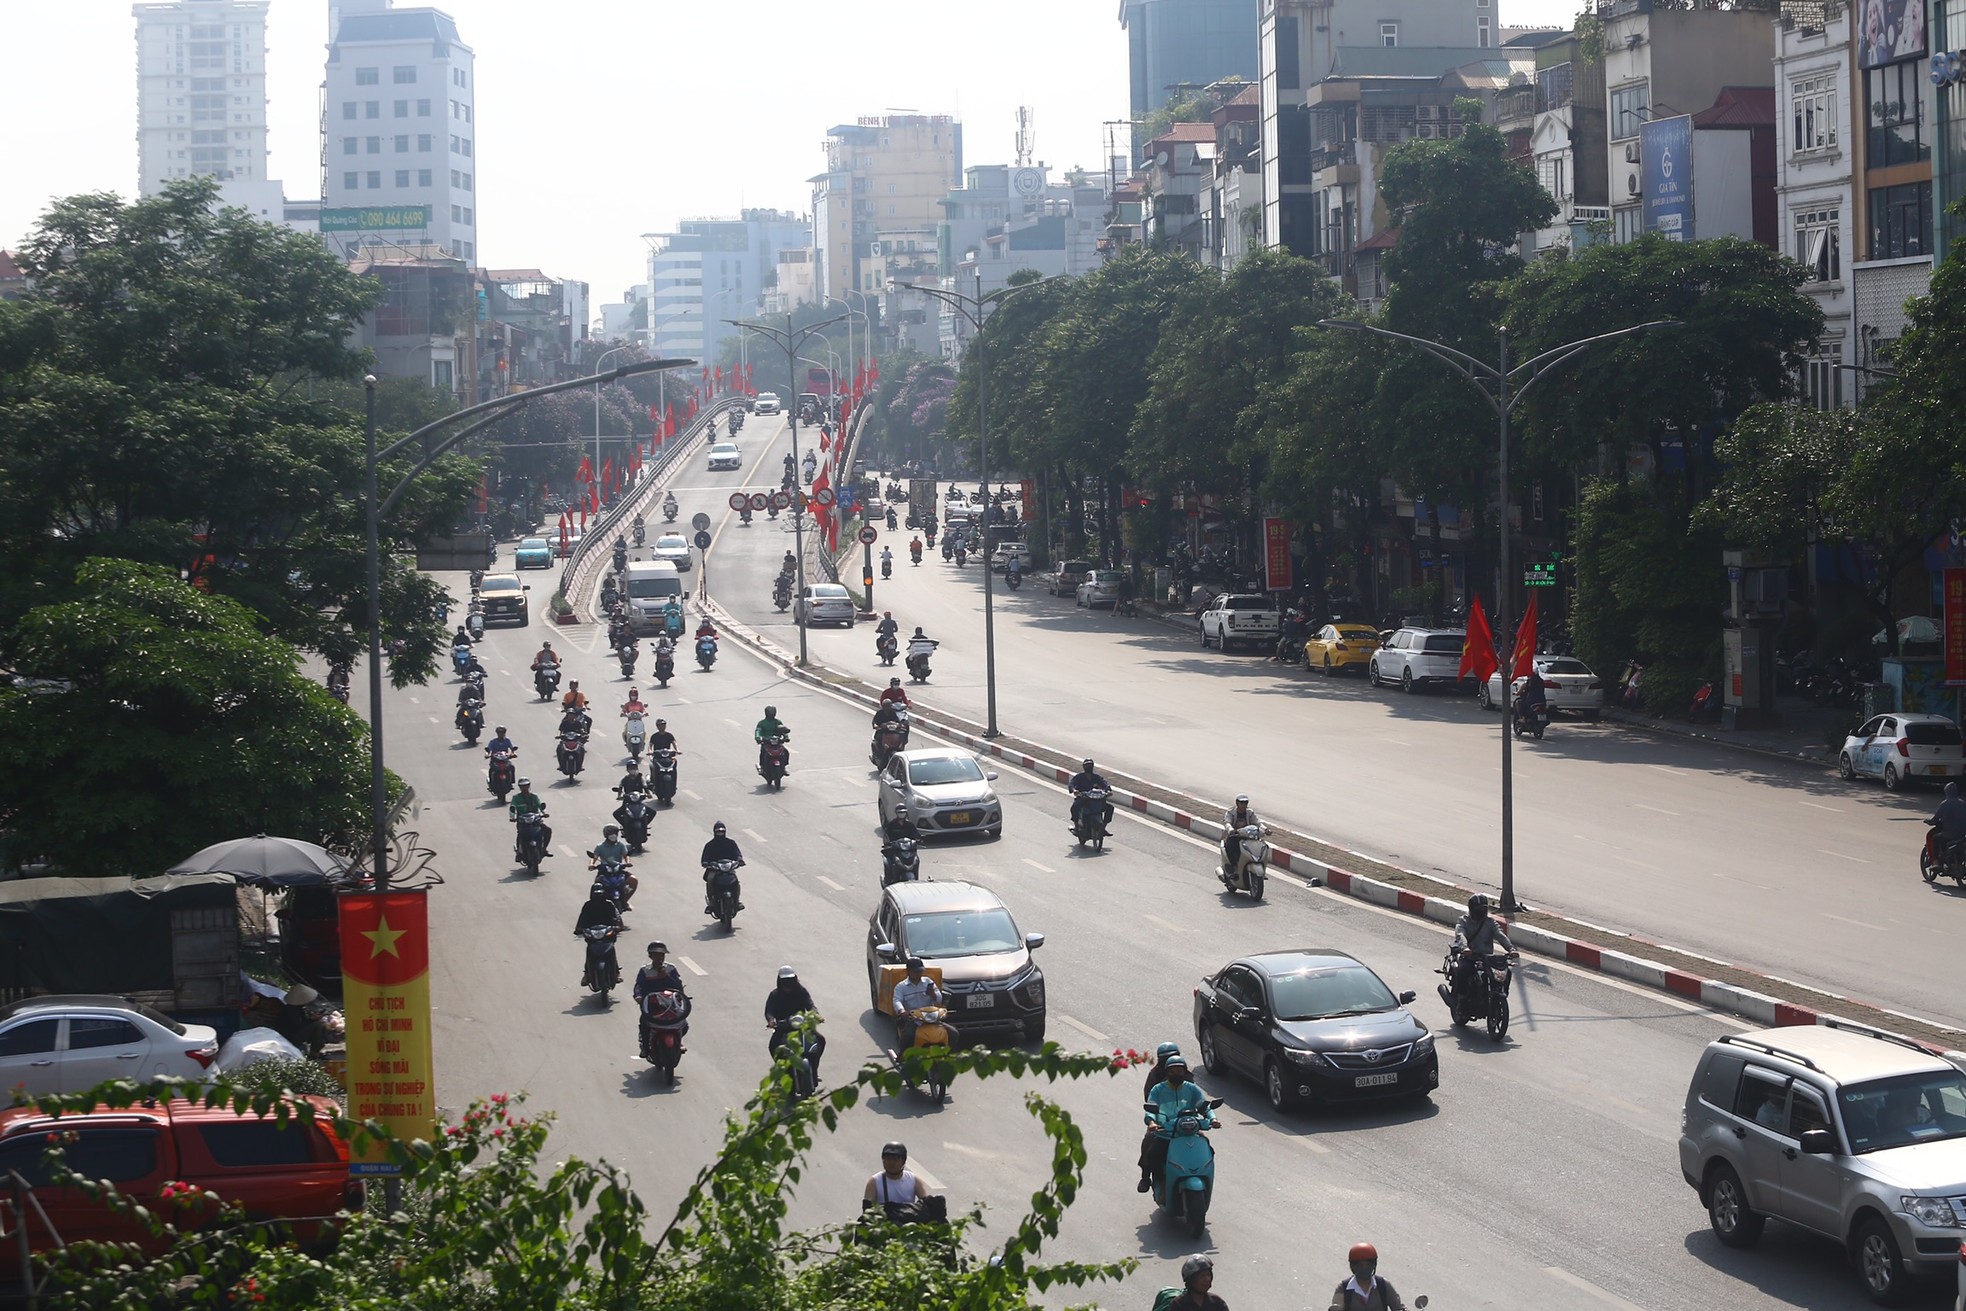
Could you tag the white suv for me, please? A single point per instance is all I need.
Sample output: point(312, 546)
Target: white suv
point(767, 403)
point(1413, 657)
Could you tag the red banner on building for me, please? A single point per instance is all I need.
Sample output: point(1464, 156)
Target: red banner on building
point(1276, 555)
point(385, 975)
point(1955, 620)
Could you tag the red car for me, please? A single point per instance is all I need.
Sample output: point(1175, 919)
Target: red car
point(297, 1173)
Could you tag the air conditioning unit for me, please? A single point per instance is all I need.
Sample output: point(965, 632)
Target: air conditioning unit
point(1631, 184)
point(1427, 113)
point(1631, 152)
point(1428, 132)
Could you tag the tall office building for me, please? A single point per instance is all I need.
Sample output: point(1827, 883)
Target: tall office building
point(399, 136)
point(201, 91)
point(886, 175)
point(1172, 43)
point(711, 270)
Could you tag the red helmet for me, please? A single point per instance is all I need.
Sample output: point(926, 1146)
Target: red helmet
point(1362, 1252)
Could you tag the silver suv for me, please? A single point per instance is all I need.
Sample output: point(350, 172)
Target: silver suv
point(1414, 657)
point(1856, 1134)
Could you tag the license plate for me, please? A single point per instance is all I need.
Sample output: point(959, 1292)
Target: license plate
point(982, 1001)
point(1374, 1080)
point(1938, 769)
point(961, 817)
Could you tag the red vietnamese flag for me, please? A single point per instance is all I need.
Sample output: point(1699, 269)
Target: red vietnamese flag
point(720, 377)
point(1525, 643)
point(607, 473)
point(564, 547)
point(585, 473)
point(385, 969)
point(1478, 651)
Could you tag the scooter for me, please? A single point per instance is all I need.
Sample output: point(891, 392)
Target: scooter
point(641, 533)
point(474, 681)
point(1013, 578)
point(887, 647)
point(723, 891)
point(901, 861)
point(1939, 859)
point(744, 517)
point(571, 754)
point(915, 554)
point(546, 681)
point(1532, 719)
point(603, 971)
point(635, 818)
point(499, 777)
point(474, 622)
point(962, 556)
point(634, 735)
point(781, 595)
point(706, 652)
point(1252, 858)
point(471, 720)
point(611, 881)
point(672, 623)
point(805, 1059)
point(460, 659)
point(627, 653)
point(1489, 998)
point(669, 509)
point(665, 1019)
point(888, 739)
point(933, 1032)
point(887, 567)
point(918, 662)
point(665, 667)
point(620, 556)
point(1185, 1185)
point(1090, 826)
point(532, 840)
point(774, 761)
point(662, 775)
point(892, 521)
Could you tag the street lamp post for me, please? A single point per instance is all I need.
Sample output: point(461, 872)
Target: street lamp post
point(972, 310)
point(791, 342)
point(597, 408)
point(1503, 388)
point(483, 415)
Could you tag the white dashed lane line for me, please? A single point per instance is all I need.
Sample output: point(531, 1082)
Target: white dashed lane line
point(759, 836)
point(1042, 869)
point(1085, 1029)
point(837, 887)
point(693, 967)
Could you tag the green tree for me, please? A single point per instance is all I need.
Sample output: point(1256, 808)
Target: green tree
point(170, 723)
point(154, 406)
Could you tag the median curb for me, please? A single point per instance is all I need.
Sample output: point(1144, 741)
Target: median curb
point(1559, 937)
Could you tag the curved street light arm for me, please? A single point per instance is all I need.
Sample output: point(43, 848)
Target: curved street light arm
point(513, 404)
point(1537, 365)
point(1462, 363)
point(531, 393)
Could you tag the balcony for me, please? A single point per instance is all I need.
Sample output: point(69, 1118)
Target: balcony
point(1341, 158)
point(1810, 15)
point(1516, 103)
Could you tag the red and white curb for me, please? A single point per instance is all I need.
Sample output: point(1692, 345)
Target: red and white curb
point(1759, 1007)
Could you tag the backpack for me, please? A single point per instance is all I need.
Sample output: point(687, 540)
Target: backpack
point(1166, 1298)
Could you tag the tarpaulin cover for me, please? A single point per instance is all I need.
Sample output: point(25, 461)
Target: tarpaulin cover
point(99, 935)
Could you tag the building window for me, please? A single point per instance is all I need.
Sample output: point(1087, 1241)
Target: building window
point(454, 113)
point(467, 147)
point(423, 109)
point(423, 143)
point(371, 109)
point(375, 179)
point(440, 374)
point(399, 109)
point(1822, 378)
point(457, 214)
point(467, 182)
point(1630, 106)
point(1819, 243)
point(348, 109)
point(1894, 115)
point(375, 145)
point(1389, 34)
point(467, 216)
point(467, 113)
point(1901, 221)
point(402, 177)
point(456, 181)
point(349, 145)
point(1550, 172)
point(351, 181)
point(423, 177)
point(367, 76)
point(403, 74)
point(403, 143)
point(1812, 102)
point(1484, 33)
point(454, 149)
point(457, 76)
point(1627, 224)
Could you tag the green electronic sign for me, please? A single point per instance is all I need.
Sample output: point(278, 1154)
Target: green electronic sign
point(1539, 575)
point(376, 218)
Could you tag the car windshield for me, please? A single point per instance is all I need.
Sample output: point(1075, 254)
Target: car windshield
point(943, 769)
point(1564, 666)
point(499, 585)
point(1106, 577)
point(1319, 994)
point(829, 592)
point(533, 544)
point(1354, 634)
point(723, 448)
point(671, 543)
point(648, 586)
point(1245, 603)
point(962, 933)
point(1930, 733)
point(1911, 1108)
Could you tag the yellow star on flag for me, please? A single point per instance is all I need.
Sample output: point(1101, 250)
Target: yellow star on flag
point(382, 938)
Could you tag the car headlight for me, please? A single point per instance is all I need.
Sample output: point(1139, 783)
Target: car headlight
point(1423, 1044)
point(1304, 1056)
point(922, 804)
point(1935, 1212)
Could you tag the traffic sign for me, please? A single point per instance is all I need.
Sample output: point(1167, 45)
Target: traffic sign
point(799, 500)
point(868, 536)
point(782, 499)
point(738, 500)
point(702, 540)
point(759, 500)
point(700, 521)
point(824, 496)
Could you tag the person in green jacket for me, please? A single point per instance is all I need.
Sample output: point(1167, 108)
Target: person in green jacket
point(769, 727)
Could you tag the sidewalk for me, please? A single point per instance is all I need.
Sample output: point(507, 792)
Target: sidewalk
point(1802, 734)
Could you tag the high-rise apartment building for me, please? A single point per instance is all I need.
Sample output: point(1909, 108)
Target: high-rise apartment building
point(399, 156)
point(201, 91)
point(711, 270)
point(1185, 43)
point(884, 173)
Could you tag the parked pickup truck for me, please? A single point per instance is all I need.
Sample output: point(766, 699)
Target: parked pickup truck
point(1233, 617)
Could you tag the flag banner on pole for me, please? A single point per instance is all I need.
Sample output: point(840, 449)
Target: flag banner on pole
point(1525, 643)
point(585, 473)
point(385, 980)
point(1478, 651)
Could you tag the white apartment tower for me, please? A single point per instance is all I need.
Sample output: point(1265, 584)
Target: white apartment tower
point(399, 157)
point(201, 91)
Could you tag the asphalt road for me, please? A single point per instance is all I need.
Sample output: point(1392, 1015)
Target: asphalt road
point(1773, 866)
point(1541, 1175)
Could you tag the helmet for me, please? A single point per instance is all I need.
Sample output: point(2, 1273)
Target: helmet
point(894, 1149)
point(895, 682)
point(1176, 1062)
point(1478, 906)
point(658, 945)
point(501, 730)
point(662, 723)
point(611, 830)
point(525, 782)
point(1362, 1252)
point(718, 829)
point(917, 963)
point(786, 974)
point(1243, 800)
point(1195, 1265)
point(1086, 764)
point(771, 712)
point(573, 684)
point(918, 630)
point(1166, 1050)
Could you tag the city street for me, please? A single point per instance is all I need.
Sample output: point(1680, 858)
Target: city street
point(1541, 1175)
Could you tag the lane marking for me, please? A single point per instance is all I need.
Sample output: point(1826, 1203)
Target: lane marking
point(693, 967)
point(837, 887)
point(967, 1150)
point(1085, 1029)
point(1862, 924)
point(1584, 1285)
point(1813, 805)
point(691, 795)
point(733, 723)
point(1169, 925)
point(934, 1184)
point(1309, 1143)
point(1042, 869)
point(682, 700)
point(416, 701)
point(1840, 856)
point(1657, 810)
point(759, 836)
point(1663, 769)
point(431, 718)
point(565, 850)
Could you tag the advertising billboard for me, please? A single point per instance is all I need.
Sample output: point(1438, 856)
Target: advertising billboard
point(385, 973)
point(1892, 30)
point(376, 218)
point(1666, 176)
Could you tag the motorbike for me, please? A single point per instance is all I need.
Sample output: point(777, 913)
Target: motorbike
point(641, 533)
point(546, 681)
point(611, 881)
point(477, 580)
point(771, 510)
point(933, 1032)
point(962, 556)
point(1125, 608)
point(1252, 858)
point(918, 663)
point(1490, 996)
point(886, 646)
point(723, 890)
point(915, 554)
point(948, 548)
point(672, 623)
point(706, 652)
point(665, 1015)
point(774, 761)
point(636, 815)
point(1939, 859)
point(892, 520)
point(471, 720)
point(500, 776)
point(1089, 825)
point(474, 682)
point(1185, 1185)
point(901, 861)
point(662, 775)
point(1013, 578)
point(603, 971)
point(1531, 719)
point(620, 556)
point(669, 510)
point(634, 735)
point(571, 754)
point(744, 516)
point(805, 1074)
point(460, 659)
point(474, 622)
point(532, 840)
point(887, 567)
point(888, 739)
point(665, 667)
point(627, 653)
point(781, 594)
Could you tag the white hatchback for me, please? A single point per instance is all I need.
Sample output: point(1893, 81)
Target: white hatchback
point(1902, 749)
point(724, 455)
point(65, 1044)
point(825, 603)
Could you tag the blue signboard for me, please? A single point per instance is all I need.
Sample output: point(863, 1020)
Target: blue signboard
point(1666, 176)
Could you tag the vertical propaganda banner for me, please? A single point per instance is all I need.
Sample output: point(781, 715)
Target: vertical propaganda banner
point(1276, 555)
point(1955, 627)
point(385, 968)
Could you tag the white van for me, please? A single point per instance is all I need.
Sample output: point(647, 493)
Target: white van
point(651, 583)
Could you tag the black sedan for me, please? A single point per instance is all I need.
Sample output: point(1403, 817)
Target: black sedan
point(1313, 1025)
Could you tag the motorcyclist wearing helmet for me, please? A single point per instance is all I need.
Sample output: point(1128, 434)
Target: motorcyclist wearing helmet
point(1950, 817)
point(894, 694)
point(597, 910)
point(1158, 1071)
point(611, 850)
point(662, 739)
point(527, 802)
point(896, 1184)
point(1365, 1290)
point(784, 1004)
point(885, 628)
point(1174, 1094)
point(1241, 815)
point(546, 657)
point(1476, 934)
point(1197, 1278)
point(1083, 782)
point(721, 846)
point(1533, 693)
point(500, 742)
point(574, 698)
point(658, 976)
point(769, 727)
point(632, 781)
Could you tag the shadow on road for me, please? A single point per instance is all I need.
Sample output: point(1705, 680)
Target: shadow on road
point(1797, 1268)
point(645, 1082)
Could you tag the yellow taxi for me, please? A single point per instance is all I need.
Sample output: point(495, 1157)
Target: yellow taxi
point(1335, 648)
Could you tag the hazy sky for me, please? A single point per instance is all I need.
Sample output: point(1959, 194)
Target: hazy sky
point(599, 120)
